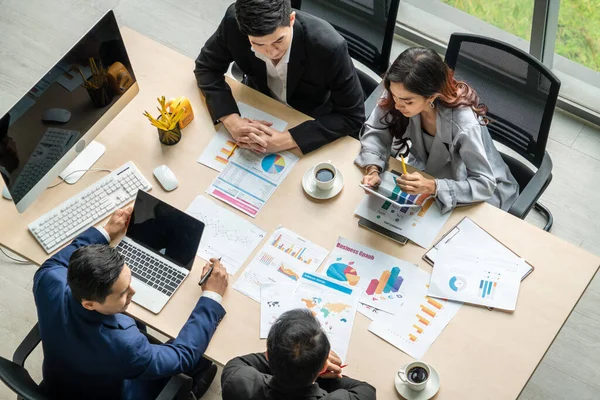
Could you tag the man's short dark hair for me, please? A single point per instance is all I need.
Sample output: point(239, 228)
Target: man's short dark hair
point(262, 17)
point(93, 270)
point(297, 348)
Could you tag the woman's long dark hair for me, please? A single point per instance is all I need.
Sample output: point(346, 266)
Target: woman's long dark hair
point(422, 71)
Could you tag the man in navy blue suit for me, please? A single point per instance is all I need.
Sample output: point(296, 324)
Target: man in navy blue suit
point(91, 349)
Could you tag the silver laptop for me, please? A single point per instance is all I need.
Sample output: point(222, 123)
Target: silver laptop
point(160, 247)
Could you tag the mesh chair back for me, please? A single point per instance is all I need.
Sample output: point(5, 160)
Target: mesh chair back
point(367, 25)
point(520, 92)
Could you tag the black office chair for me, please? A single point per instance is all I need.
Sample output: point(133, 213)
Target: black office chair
point(16, 377)
point(521, 95)
point(368, 27)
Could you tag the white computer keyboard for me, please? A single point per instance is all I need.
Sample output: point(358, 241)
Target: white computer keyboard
point(52, 146)
point(72, 217)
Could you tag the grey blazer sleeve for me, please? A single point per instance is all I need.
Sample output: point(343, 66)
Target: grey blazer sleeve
point(480, 183)
point(375, 141)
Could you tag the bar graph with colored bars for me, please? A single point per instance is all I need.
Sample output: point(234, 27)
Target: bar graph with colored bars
point(422, 211)
point(428, 311)
point(390, 281)
point(225, 152)
point(487, 289)
point(265, 259)
point(297, 253)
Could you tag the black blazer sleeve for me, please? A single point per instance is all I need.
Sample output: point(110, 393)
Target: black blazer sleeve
point(347, 388)
point(242, 375)
point(348, 110)
point(211, 66)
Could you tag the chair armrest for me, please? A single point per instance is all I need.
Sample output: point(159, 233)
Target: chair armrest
point(28, 344)
point(373, 98)
point(179, 387)
point(534, 189)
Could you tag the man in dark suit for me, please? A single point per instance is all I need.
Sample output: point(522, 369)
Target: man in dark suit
point(94, 351)
point(298, 364)
point(293, 57)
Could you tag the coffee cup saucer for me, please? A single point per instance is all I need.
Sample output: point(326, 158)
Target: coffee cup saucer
point(430, 390)
point(310, 186)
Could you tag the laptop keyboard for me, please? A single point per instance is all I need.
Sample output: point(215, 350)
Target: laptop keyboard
point(151, 270)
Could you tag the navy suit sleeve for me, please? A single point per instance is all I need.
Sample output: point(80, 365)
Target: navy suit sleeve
point(148, 361)
point(43, 277)
point(347, 99)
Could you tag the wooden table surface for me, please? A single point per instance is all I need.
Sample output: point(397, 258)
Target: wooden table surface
point(481, 354)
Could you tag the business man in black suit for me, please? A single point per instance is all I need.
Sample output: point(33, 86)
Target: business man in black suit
point(291, 56)
point(298, 364)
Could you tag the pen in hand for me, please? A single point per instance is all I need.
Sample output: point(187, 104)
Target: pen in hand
point(207, 275)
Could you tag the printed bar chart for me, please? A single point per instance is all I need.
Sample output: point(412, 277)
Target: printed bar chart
point(389, 281)
point(412, 337)
point(486, 289)
point(225, 152)
point(266, 259)
point(423, 320)
point(425, 207)
point(296, 253)
point(434, 303)
point(418, 328)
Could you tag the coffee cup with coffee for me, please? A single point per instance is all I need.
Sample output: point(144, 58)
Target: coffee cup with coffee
point(415, 375)
point(324, 174)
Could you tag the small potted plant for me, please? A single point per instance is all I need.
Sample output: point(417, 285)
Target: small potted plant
point(169, 132)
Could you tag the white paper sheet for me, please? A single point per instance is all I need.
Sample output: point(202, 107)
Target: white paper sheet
point(215, 154)
point(380, 277)
point(332, 303)
point(419, 322)
point(249, 179)
point(225, 235)
point(475, 276)
point(275, 299)
point(283, 258)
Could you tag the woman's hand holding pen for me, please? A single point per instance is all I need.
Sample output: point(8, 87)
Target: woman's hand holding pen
point(415, 183)
point(218, 280)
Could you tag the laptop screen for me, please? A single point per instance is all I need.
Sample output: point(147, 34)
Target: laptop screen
point(165, 230)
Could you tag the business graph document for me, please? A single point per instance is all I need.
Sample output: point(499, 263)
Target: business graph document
point(420, 225)
point(332, 303)
point(216, 154)
point(225, 235)
point(283, 258)
point(380, 278)
point(249, 179)
point(475, 276)
point(420, 321)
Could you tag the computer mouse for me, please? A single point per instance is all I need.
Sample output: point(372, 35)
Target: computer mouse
point(59, 115)
point(6, 193)
point(166, 177)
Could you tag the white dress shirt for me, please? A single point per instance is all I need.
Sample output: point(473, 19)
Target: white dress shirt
point(277, 74)
point(206, 293)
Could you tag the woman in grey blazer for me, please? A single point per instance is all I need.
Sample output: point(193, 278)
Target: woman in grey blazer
point(445, 122)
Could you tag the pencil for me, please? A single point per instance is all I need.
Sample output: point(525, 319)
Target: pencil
point(403, 164)
point(235, 146)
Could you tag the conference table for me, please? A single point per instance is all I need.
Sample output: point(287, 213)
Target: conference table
point(481, 354)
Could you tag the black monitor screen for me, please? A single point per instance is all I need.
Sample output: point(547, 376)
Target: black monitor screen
point(165, 230)
point(58, 110)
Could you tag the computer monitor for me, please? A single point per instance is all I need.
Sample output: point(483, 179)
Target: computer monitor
point(53, 122)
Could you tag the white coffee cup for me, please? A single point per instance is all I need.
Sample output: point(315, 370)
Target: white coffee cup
point(407, 375)
point(324, 174)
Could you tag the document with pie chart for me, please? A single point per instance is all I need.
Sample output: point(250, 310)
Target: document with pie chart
point(249, 179)
point(473, 276)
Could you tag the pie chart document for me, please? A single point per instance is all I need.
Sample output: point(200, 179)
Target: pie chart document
point(249, 179)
